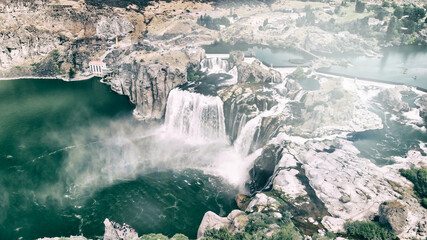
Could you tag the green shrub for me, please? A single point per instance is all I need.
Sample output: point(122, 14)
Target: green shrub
point(419, 178)
point(298, 74)
point(179, 236)
point(258, 221)
point(192, 75)
point(287, 232)
point(220, 234)
point(153, 236)
point(368, 230)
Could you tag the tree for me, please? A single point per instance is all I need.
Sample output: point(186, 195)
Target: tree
point(71, 73)
point(391, 28)
point(360, 7)
point(416, 13)
point(265, 22)
point(386, 4)
point(398, 12)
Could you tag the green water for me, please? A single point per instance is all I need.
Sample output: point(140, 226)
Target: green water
point(404, 65)
point(72, 155)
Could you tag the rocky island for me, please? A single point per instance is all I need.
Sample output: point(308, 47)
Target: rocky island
point(248, 89)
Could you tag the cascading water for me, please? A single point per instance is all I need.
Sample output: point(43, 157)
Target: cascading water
point(195, 115)
point(214, 65)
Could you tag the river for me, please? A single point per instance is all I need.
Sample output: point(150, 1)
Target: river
point(71, 155)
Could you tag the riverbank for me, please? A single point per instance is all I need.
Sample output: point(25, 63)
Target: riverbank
point(52, 78)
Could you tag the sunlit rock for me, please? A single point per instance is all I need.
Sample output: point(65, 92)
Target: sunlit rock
point(113, 27)
point(394, 214)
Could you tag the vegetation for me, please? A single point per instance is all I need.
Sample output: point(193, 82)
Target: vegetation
point(368, 230)
point(360, 7)
point(419, 178)
point(154, 236)
point(257, 227)
point(298, 74)
point(71, 73)
point(192, 75)
point(309, 18)
point(213, 23)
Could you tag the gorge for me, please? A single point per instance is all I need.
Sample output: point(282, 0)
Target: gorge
point(185, 136)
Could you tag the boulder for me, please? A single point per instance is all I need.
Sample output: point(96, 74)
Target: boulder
point(212, 221)
point(394, 214)
point(235, 221)
point(242, 201)
point(262, 202)
point(391, 98)
point(332, 224)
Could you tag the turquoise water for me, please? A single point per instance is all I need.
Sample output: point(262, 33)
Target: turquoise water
point(405, 65)
point(72, 155)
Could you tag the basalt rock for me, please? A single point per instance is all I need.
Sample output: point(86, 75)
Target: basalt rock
point(422, 104)
point(394, 214)
point(241, 104)
point(392, 99)
point(264, 167)
point(148, 84)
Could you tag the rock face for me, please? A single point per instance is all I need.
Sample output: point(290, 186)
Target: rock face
point(148, 85)
point(422, 104)
point(264, 167)
point(394, 214)
point(113, 27)
point(241, 104)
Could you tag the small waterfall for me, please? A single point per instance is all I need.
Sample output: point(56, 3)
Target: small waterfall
point(195, 115)
point(245, 139)
point(214, 65)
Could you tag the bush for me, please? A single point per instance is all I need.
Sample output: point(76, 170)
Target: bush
point(258, 221)
point(360, 7)
point(368, 230)
point(221, 234)
point(213, 23)
point(287, 232)
point(419, 178)
point(192, 75)
point(298, 74)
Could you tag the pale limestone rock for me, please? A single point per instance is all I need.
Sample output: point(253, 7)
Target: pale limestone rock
point(333, 224)
point(210, 221)
point(262, 202)
point(287, 182)
point(112, 27)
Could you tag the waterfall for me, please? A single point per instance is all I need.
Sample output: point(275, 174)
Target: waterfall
point(214, 65)
point(195, 115)
point(246, 137)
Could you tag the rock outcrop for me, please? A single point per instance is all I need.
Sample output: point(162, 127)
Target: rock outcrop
point(148, 84)
point(392, 99)
point(113, 27)
point(255, 72)
point(264, 167)
point(421, 102)
point(235, 221)
point(394, 214)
